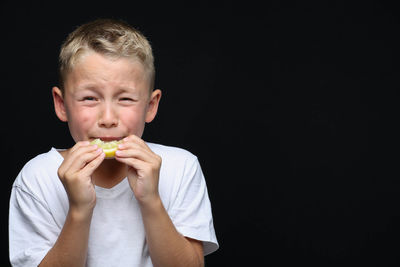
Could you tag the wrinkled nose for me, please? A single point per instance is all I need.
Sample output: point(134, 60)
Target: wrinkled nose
point(108, 117)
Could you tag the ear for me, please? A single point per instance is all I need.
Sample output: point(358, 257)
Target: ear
point(153, 105)
point(59, 104)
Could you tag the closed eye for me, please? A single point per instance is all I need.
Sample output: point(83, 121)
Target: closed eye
point(127, 99)
point(89, 98)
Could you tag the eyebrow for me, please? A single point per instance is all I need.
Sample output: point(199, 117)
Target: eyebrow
point(93, 87)
point(86, 86)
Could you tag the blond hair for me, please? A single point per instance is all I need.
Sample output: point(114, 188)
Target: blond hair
point(111, 38)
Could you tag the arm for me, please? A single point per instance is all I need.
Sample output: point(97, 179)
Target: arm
point(167, 247)
point(71, 246)
point(75, 173)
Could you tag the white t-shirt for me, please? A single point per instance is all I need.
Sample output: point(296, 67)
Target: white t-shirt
point(39, 205)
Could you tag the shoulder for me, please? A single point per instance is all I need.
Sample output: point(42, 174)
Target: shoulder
point(39, 169)
point(178, 165)
point(170, 154)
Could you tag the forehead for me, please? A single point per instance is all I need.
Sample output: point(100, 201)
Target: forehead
point(95, 70)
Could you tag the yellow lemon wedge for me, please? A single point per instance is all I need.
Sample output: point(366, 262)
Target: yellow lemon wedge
point(109, 148)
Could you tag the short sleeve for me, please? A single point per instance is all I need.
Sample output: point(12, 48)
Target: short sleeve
point(31, 231)
point(191, 209)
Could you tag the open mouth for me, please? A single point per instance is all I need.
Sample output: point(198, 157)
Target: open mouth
point(109, 138)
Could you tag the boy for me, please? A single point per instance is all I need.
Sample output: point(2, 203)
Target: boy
point(147, 206)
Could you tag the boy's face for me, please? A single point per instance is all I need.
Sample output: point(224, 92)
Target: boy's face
point(106, 98)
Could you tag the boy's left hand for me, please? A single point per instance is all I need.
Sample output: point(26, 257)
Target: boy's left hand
point(143, 168)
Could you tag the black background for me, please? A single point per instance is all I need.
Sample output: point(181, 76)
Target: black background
point(290, 107)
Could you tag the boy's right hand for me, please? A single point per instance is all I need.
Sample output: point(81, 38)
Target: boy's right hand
point(76, 175)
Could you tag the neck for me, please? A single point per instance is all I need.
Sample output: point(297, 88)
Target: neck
point(109, 173)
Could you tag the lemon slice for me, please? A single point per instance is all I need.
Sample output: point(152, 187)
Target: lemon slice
point(109, 148)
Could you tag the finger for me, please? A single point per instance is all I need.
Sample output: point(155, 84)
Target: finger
point(80, 157)
point(78, 145)
point(135, 148)
point(77, 149)
point(84, 158)
point(93, 164)
point(134, 152)
point(142, 167)
point(76, 160)
point(136, 140)
point(132, 162)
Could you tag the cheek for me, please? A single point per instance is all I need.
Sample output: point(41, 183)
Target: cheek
point(80, 120)
point(133, 120)
point(80, 115)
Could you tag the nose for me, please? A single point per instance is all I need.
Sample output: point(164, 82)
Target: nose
point(108, 117)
